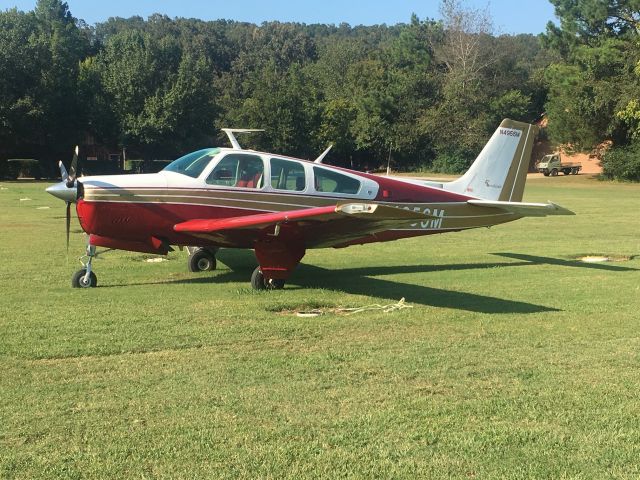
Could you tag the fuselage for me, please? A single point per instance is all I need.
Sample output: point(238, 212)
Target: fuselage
point(281, 206)
point(143, 209)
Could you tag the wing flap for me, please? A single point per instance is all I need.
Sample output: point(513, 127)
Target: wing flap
point(378, 212)
point(524, 209)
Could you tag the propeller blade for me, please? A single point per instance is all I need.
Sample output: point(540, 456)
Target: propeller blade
point(73, 169)
point(68, 223)
point(63, 171)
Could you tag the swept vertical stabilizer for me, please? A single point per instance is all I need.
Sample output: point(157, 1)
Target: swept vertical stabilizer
point(500, 171)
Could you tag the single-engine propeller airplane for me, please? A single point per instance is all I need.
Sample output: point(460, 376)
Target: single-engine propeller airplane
point(281, 206)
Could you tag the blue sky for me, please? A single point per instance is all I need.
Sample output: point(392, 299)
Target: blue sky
point(509, 16)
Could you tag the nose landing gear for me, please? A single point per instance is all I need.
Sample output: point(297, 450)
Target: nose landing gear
point(85, 278)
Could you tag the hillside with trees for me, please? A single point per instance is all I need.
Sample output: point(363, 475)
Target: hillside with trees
point(594, 86)
point(428, 92)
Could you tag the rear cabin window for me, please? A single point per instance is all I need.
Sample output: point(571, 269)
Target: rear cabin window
point(238, 170)
point(334, 182)
point(287, 175)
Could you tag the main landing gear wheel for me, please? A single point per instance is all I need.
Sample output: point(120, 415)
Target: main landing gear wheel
point(202, 260)
point(258, 282)
point(80, 280)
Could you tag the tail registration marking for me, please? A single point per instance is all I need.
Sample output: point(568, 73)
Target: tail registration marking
point(510, 132)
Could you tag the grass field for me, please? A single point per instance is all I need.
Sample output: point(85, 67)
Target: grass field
point(515, 361)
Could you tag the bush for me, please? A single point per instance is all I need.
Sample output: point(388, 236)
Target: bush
point(23, 168)
point(133, 166)
point(622, 163)
point(451, 162)
point(140, 166)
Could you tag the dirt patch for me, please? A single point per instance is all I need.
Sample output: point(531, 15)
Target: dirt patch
point(590, 161)
point(308, 310)
point(590, 164)
point(601, 258)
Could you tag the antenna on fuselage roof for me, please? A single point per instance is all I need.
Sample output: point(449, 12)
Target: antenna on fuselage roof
point(232, 138)
point(323, 154)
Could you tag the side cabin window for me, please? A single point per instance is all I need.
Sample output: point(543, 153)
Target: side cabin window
point(238, 170)
point(334, 182)
point(287, 175)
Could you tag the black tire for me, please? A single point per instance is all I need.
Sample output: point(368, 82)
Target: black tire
point(77, 281)
point(567, 171)
point(554, 172)
point(575, 171)
point(202, 261)
point(546, 174)
point(258, 282)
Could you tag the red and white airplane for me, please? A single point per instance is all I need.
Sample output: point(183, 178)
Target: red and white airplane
point(281, 206)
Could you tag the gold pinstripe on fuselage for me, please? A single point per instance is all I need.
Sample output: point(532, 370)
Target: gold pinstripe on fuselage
point(455, 215)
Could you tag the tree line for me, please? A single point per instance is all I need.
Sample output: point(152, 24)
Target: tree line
point(427, 93)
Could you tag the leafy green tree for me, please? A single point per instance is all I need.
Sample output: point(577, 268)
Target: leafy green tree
point(429, 92)
point(62, 46)
point(593, 20)
point(40, 52)
point(19, 103)
point(594, 89)
point(594, 81)
point(622, 163)
point(161, 96)
point(459, 120)
point(281, 103)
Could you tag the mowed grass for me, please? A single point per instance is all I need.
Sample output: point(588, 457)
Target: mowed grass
point(515, 361)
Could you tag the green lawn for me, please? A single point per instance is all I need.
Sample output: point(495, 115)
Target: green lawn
point(515, 361)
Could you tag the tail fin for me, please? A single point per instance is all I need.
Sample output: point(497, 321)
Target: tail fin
point(500, 171)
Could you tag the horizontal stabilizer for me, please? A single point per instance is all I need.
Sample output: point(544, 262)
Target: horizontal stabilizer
point(524, 209)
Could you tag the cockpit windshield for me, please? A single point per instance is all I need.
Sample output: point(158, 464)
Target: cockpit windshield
point(192, 164)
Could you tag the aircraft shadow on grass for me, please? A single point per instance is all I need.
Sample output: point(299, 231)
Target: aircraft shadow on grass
point(366, 281)
point(536, 260)
point(363, 281)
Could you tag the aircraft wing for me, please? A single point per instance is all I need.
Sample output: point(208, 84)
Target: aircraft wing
point(320, 224)
point(524, 209)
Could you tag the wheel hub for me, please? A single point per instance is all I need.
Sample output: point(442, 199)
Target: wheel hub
point(204, 264)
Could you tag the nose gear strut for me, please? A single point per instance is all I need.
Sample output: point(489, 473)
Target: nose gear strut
point(85, 277)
